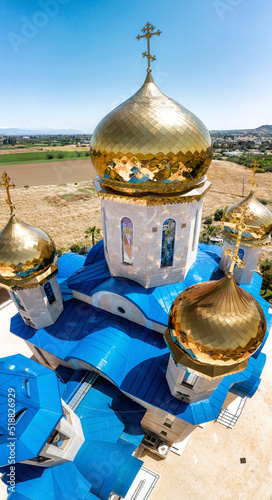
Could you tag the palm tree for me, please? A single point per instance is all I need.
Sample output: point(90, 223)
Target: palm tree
point(94, 231)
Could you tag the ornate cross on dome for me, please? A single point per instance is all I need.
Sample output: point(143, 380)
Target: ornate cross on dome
point(238, 222)
point(5, 182)
point(255, 166)
point(147, 30)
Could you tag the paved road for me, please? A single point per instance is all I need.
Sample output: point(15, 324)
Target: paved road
point(47, 173)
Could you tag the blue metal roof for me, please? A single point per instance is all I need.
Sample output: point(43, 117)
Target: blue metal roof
point(95, 254)
point(112, 430)
point(154, 303)
point(133, 357)
point(36, 396)
point(62, 482)
point(69, 263)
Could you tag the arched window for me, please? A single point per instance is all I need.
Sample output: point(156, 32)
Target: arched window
point(127, 240)
point(241, 254)
point(49, 292)
point(104, 228)
point(168, 242)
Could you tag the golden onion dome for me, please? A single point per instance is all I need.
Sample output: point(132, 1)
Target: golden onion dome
point(26, 254)
point(150, 143)
point(262, 218)
point(214, 327)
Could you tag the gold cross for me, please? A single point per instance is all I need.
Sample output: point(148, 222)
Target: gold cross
point(238, 222)
point(147, 30)
point(6, 179)
point(254, 166)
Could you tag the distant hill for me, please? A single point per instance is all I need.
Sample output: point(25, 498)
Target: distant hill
point(19, 131)
point(262, 130)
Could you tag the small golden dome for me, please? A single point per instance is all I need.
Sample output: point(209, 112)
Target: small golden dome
point(150, 143)
point(26, 253)
point(217, 323)
point(263, 219)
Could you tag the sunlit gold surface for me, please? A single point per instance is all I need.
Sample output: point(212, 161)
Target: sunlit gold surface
point(6, 183)
point(150, 143)
point(153, 199)
point(26, 253)
point(148, 31)
point(263, 219)
point(217, 323)
point(210, 372)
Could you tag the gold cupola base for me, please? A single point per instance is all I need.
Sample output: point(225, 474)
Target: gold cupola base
point(210, 372)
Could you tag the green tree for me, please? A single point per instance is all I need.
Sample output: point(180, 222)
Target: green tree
point(218, 214)
point(208, 219)
point(266, 270)
point(75, 248)
point(94, 232)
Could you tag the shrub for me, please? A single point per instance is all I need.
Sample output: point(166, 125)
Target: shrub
point(87, 153)
point(49, 156)
point(60, 155)
point(59, 252)
point(218, 214)
point(208, 219)
point(78, 153)
point(75, 248)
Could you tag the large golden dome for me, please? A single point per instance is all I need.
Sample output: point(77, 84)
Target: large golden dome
point(262, 219)
point(215, 327)
point(26, 254)
point(150, 143)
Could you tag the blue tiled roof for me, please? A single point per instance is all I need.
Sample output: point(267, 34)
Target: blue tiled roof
point(37, 395)
point(154, 303)
point(95, 254)
point(112, 430)
point(56, 483)
point(69, 263)
point(133, 357)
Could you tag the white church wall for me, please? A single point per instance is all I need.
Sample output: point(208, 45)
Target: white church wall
point(202, 388)
point(116, 304)
point(251, 255)
point(147, 240)
point(34, 306)
point(155, 421)
point(69, 427)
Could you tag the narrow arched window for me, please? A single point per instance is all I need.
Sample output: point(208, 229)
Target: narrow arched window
point(104, 228)
point(127, 240)
point(241, 254)
point(49, 292)
point(168, 242)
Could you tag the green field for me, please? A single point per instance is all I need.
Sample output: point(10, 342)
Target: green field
point(40, 156)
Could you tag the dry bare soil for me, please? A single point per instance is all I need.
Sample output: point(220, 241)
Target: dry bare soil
point(68, 204)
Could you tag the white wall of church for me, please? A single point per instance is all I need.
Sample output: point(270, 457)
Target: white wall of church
point(147, 240)
point(154, 421)
point(116, 304)
point(251, 255)
point(202, 389)
point(69, 427)
point(34, 306)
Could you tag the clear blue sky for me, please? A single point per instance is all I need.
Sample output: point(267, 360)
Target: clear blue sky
point(70, 66)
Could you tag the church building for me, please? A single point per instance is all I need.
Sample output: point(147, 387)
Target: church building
point(150, 334)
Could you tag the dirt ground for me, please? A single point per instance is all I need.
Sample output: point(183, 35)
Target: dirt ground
point(61, 199)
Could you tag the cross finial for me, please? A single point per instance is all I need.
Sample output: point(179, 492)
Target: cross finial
point(238, 222)
point(6, 183)
point(255, 166)
point(148, 33)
